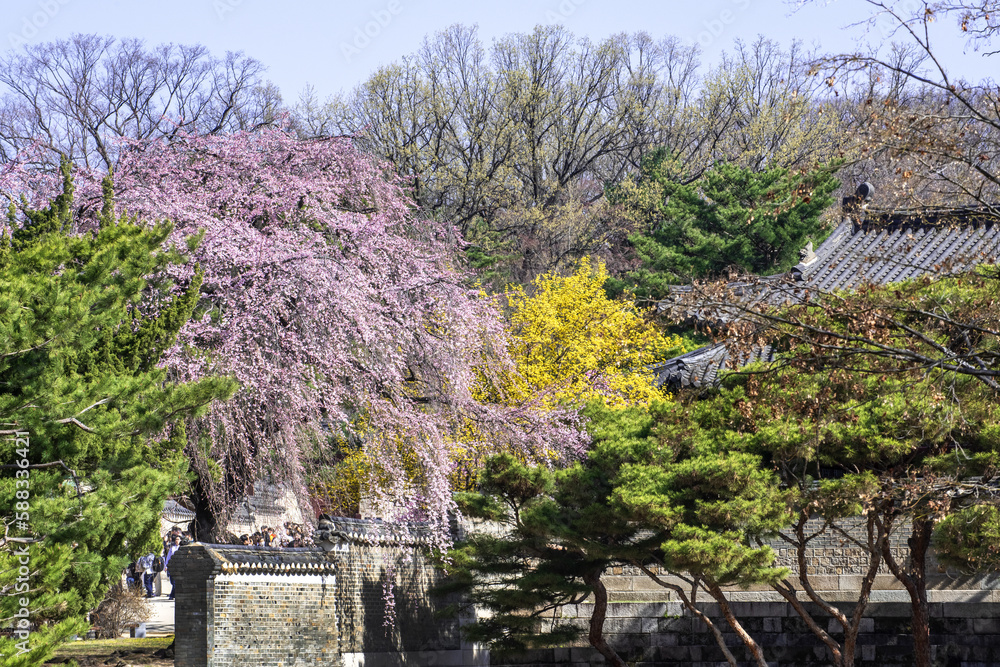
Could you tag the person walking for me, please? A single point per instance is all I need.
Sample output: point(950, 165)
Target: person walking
point(171, 550)
point(145, 564)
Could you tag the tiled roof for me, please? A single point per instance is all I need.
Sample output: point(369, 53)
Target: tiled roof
point(370, 532)
point(174, 512)
point(884, 247)
point(239, 559)
point(700, 368)
point(330, 533)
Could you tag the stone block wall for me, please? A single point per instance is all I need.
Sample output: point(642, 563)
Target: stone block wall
point(649, 634)
point(271, 607)
point(379, 557)
point(649, 626)
point(381, 560)
point(239, 606)
point(290, 607)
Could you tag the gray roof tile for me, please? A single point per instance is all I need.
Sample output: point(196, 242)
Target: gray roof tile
point(885, 247)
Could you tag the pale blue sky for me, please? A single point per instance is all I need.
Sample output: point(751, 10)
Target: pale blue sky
point(310, 41)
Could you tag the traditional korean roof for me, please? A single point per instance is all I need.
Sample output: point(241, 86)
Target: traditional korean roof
point(174, 512)
point(270, 505)
point(893, 247)
point(700, 368)
point(868, 247)
point(241, 559)
point(370, 532)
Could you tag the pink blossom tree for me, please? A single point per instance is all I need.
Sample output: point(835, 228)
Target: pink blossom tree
point(342, 312)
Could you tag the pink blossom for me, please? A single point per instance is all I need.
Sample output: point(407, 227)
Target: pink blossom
point(329, 298)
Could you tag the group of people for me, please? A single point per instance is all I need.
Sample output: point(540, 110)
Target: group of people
point(289, 535)
point(144, 570)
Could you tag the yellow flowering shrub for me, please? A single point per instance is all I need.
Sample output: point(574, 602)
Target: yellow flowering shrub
point(573, 344)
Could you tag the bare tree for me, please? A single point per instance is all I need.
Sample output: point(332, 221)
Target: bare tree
point(78, 96)
point(934, 136)
point(760, 109)
point(483, 130)
point(499, 139)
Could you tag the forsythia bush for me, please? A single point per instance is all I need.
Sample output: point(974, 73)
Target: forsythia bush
point(573, 344)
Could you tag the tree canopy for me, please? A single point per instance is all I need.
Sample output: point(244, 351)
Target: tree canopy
point(881, 405)
point(90, 419)
point(731, 217)
point(342, 316)
point(572, 344)
point(637, 499)
point(79, 96)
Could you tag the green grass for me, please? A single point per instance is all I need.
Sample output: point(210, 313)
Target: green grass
point(99, 647)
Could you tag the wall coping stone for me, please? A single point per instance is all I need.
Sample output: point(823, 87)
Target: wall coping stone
point(246, 559)
point(371, 532)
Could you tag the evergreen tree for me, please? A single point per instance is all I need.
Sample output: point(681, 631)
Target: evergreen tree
point(731, 216)
point(887, 397)
point(882, 409)
point(636, 500)
point(92, 429)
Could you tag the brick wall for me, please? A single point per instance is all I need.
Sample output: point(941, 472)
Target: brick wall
point(257, 606)
point(289, 607)
point(362, 580)
point(287, 619)
point(833, 553)
point(241, 606)
point(374, 556)
point(649, 634)
point(194, 570)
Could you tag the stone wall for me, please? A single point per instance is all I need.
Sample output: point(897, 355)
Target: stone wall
point(266, 607)
point(289, 607)
point(374, 557)
point(239, 606)
point(651, 634)
point(649, 626)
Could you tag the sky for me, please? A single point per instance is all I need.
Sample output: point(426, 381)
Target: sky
point(334, 45)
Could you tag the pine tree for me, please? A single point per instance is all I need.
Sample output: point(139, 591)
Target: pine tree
point(92, 427)
point(882, 409)
point(636, 500)
point(731, 216)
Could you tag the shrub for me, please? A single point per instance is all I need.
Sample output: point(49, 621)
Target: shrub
point(121, 608)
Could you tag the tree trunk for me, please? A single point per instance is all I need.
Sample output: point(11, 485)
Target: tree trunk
point(787, 591)
point(878, 536)
point(205, 525)
point(698, 613)
point(914, 579)
point(596, 636)
point(919, 541)
point(755, 650)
